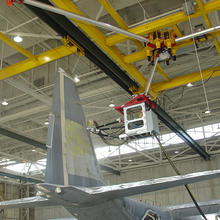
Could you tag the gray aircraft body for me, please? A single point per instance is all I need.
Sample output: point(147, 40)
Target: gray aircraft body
point(73, 178)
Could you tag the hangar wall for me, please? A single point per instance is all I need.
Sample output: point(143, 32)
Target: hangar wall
point(203, 191)
point(8, 191)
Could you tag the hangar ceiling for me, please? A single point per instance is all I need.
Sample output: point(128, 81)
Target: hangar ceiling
point(29, 88)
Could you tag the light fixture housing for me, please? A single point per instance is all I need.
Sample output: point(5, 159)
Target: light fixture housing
point(4, 102)
point(76, 79)
point(189, 85)
point(18, 39)
point(207, 111)
point(111, 105)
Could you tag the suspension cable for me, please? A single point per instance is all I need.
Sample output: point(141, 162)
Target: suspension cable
point(178, 173)
point(197, 57)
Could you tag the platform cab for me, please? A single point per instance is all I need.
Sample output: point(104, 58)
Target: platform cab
point(139, 120)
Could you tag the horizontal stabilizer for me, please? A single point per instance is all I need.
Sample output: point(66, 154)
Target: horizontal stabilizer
point(189, 210)
point(29, 202)
point(130, 189)
point(85, 195)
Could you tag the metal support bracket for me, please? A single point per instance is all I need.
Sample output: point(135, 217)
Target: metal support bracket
point(69, 42)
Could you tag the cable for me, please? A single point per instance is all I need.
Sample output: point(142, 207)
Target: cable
point(178, 173)
point(208, 78)
point(176, 102)
point(144, 11)
point(195, 86)
point(197, 57)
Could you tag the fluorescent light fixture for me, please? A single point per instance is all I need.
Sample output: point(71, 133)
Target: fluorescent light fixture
point(46, 123)
point(76, 79)
point(189, 85)
point(33, 150)
point(207, 111)
point(176, 152)
point(130, 160)
point(4, 102)
point(18, 39)
point(112, 105)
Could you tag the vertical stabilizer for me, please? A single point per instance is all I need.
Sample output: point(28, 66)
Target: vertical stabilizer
point(71, 159)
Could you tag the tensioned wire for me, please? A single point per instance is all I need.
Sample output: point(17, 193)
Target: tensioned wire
point(197, 57)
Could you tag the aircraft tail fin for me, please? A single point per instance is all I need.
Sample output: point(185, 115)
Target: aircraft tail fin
point(71, 158)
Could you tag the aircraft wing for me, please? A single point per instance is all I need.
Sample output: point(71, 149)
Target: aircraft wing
point(186, 211)
point(82, 195)
point(29, 202)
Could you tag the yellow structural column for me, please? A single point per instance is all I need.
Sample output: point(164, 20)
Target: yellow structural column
point(96, 35)
point(108, 7)
point(16, 46)
point(38, 60)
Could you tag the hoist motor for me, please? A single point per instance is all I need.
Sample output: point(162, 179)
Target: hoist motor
point(161, 44)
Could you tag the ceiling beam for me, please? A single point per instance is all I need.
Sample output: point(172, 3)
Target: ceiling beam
point(141, 55)
point(163, 23)
point(114, 14)
point(16, 46)
point(20, 177)
point(40, 145)
point(208, 23)
point(185, 79)
point(98, 37)
point(39, 60)
point(22, 138)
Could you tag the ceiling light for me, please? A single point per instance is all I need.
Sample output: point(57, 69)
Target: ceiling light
point(47, 58)
point(46, 123)
point(33, 150)
point(76, 79)
point(18, 39)
point(4, 102)
point(112, 105)
point(207, 111)
point(189, 85)
point(176, 152)
point(130, 160)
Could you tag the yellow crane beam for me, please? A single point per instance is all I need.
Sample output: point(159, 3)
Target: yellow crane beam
point(185, 79)
point(114, 14)
point(108, 7)
point(177, 31)
point(208, 23)
point(16, 46)
point(140, 55)
point(38, 60)
point(98, 37)
point(163, 23)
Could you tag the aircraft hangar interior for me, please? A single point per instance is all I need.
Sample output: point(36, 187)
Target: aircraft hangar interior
point(141, 77)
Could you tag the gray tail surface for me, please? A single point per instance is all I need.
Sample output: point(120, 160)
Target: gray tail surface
point(71, 158)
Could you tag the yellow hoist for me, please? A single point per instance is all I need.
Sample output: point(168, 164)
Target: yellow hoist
point(161, 44)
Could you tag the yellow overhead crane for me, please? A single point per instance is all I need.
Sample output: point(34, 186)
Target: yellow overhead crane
point(106, 43)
